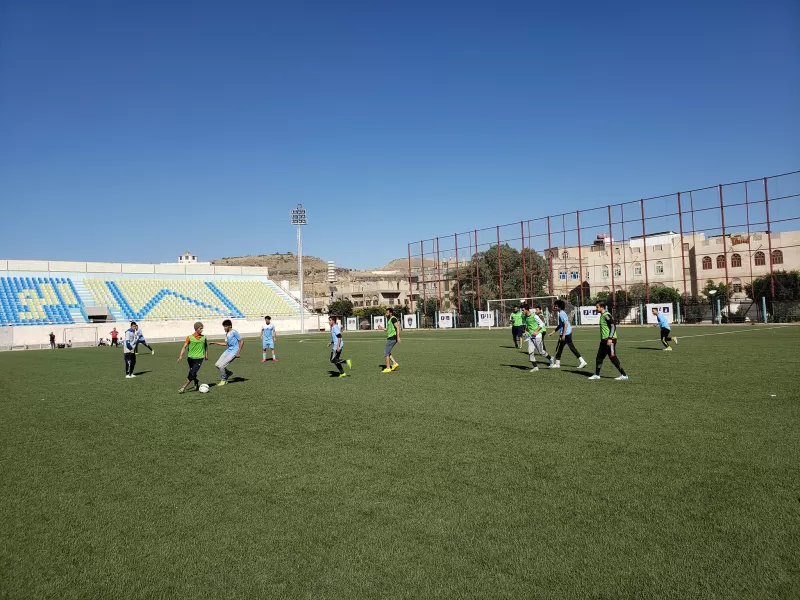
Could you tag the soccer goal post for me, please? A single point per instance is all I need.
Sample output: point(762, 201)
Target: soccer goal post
point(81, 336)
point(505, 307)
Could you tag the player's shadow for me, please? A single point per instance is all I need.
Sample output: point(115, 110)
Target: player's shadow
point(648, 348)
point(512, 347)
point(141, 373)
point(520, 367)
point(581, 373)
point(334, 373)
point(230, 381)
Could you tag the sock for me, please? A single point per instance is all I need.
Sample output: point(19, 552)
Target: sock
point(264, 355)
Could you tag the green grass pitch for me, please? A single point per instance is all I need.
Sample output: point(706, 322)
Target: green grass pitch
point(461, 475)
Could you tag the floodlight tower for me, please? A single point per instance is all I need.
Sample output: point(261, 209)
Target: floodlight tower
point(299, 219)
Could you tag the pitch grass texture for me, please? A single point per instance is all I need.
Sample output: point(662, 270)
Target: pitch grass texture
point(461, 475)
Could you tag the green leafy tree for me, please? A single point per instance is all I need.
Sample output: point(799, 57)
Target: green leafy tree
point(341, 308)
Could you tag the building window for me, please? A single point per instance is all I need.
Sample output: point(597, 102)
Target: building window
point(721, 261)
point(604, 272)
point(760, 259)
point(617, 271)
point(777, 257)
point(573, 275)
point(686, 247)
point(756, 237)
point(637, 268)
point(562, 275)
point(737, 285)
point(565, 255)
point(658, 247)
point(736, 260)
point(659, 267)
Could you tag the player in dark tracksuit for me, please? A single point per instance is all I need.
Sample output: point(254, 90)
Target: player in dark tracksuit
point(608, 343)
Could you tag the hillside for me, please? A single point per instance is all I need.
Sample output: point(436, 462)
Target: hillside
point(284, 266)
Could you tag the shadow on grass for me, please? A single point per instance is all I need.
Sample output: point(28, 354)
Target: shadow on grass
point(141, 373)
point(647, 348)
point(575, 372)
point(334, 373)
point(520, 367)
point(232, 380)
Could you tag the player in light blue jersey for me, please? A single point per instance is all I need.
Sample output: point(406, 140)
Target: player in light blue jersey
point(666, 331)
point(338, 344)
point(268, 337)
point(233, 349)
point(564, 330)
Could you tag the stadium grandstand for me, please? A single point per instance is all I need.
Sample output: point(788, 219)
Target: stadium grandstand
point(75, 300)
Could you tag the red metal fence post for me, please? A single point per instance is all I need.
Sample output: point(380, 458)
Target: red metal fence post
point(410, 285)
point(683, 254)
point(458, 283)
point(500, 268)
point(580, 253)
point(422, 262)
point(438, 274)
point(644, 245)
point(724, 249)
point(769, 240)
point(611, 252)
point(524, 275)
point(549, 259)
point(477, 269)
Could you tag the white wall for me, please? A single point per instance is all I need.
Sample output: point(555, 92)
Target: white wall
point(35, 336)
point(9, 268)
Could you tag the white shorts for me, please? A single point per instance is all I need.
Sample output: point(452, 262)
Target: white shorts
point(535, 345)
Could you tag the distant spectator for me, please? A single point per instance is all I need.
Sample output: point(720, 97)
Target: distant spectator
point(52, 341)
point(115, 337)
point(69, 343)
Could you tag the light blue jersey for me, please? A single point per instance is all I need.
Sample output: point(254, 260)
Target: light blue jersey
point(564, 325)
point(336, 331)
point(662, 321)
point(232, 339)
point(266, 333)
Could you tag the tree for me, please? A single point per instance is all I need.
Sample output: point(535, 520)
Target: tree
point(787, 286)
point(663, 294)
point(721, 291)
point(482, 276)
point(341, 308)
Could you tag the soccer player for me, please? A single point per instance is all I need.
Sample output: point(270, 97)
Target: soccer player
point(608, 343)
point(115, 337)
point(534, 330)
point(143, 342)
point(338, 343)
point(564, 330)
point(129, 347)
point(268, 337)
point(517, 325)
point(233, 348)
point(52, 341)
point(198, 352)
point(666, 331)
point(392, 338)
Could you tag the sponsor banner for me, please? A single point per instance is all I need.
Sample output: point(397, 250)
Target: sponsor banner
point(665, 309)
point(410, 322)
point(485, 318)
point(352, 323)
point(589, 315)
point(447, 320)
point(379, 322)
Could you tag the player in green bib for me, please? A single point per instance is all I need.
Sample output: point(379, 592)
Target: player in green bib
point(392, 339)
point(197, 346)
point(608, 343)
point(534, 334)
point(517, 325)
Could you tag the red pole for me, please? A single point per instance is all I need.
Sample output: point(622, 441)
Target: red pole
point(749, 243)
point(694, 243)
point(524, 275)
point(683, 254)
point(500, 268)
point(644, 244)
point(564, 243)
point(622, 245)
point(580, 253)
point(611, 251)
point(549, 259)
point(458, 283)
point(410, 285)
point(477, 270)
point(438, 273)
point(422, 262)
point(724, 248)
point(769, 240)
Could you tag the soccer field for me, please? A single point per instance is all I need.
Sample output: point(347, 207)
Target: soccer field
point(460, 475)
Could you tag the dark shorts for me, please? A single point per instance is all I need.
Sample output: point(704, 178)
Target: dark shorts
point(390, 343)
point(665, 333)
point(194, 367)
point(518, 330)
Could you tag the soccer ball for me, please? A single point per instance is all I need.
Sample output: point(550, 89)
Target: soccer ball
point(204, 389)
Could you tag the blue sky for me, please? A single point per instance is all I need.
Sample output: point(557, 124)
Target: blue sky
point(199, 125)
